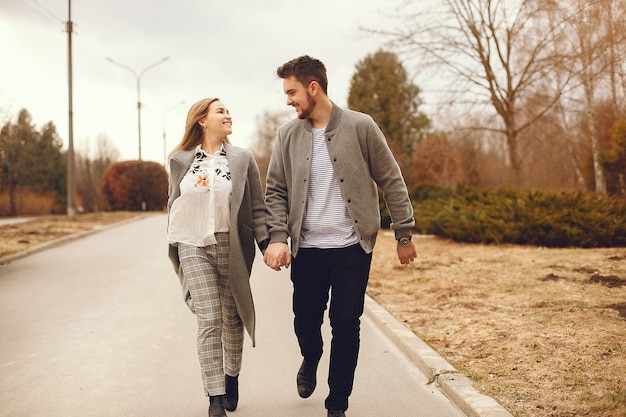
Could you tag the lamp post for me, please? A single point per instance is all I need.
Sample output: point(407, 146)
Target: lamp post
point(164, 135)
point(138, 80)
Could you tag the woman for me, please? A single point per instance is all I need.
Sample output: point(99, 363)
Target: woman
point(216, 212)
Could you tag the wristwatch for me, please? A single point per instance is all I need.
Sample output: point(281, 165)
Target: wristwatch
point(404, 241)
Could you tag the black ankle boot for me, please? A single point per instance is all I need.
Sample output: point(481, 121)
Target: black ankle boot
point(232, 393)
point(216, 406)
point(307, 378)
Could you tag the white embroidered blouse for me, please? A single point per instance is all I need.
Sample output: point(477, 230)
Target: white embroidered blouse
point(203, 207)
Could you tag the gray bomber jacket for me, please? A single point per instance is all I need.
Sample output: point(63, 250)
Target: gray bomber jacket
point(361, 161)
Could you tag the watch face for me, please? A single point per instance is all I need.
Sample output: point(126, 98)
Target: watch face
point(404, 241)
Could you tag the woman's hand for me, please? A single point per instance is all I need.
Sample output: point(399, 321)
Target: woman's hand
point(277, 255)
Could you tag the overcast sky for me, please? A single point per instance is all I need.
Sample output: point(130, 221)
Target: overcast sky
point(229, 49)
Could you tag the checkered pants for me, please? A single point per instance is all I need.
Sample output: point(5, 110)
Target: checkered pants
point(220, 329)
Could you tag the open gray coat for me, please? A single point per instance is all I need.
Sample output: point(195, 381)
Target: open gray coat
point(247, 222)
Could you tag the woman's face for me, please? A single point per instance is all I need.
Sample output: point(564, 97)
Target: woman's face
point(218, 120)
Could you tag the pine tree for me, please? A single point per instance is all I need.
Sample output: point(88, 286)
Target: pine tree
point(381, 88)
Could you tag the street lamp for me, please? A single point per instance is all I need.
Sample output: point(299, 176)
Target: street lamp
point(138, 79)
point(164, 139)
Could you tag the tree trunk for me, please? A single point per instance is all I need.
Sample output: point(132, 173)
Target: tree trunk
point(513, 145)
point(600, 182)
point(595, 150)
point(13, 199)
point(578, 172)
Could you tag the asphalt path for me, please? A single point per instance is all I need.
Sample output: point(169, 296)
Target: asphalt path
point(97, 327)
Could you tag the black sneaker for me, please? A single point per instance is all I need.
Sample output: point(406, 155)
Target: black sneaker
point(336, 413)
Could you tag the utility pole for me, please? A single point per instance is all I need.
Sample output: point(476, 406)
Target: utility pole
point(71, 179)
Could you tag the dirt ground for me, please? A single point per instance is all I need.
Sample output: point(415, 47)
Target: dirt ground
point(543, 331)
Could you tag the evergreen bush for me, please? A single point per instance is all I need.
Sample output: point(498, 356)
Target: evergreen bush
point(519, 217)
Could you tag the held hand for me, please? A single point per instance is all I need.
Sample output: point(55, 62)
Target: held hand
point(277, 255)
point(406, 254)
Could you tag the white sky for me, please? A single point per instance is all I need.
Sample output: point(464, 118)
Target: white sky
point(229, 49)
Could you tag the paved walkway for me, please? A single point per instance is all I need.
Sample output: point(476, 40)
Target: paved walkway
point(97, 327)
point(14, 220)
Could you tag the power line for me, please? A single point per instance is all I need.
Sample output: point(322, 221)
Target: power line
point(43, 16)
point(49, 10)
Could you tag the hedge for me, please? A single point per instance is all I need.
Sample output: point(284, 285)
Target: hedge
point(519, 217)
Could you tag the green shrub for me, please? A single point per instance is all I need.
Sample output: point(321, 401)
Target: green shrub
point(134, 186)
point(519, 217)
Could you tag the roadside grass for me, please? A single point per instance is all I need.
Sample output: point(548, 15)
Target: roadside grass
point(541, 330)
point(23, 236)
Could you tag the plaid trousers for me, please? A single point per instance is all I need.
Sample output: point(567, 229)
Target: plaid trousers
point(220, 329)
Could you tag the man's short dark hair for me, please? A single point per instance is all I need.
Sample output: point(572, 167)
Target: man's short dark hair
point(305, 69)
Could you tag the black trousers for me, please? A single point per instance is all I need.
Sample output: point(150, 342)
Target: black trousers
point(344, 273)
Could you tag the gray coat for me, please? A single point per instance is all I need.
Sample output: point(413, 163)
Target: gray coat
point(362, 161)
point(247, 220)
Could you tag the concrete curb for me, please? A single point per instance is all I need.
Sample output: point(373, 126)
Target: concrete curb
point(451, 382)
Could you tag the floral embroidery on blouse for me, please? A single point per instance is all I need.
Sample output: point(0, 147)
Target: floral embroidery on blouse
point(203, 180)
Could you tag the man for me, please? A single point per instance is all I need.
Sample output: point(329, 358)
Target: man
point(322, 195)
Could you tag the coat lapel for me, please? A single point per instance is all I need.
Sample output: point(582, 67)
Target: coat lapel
point(239, 173)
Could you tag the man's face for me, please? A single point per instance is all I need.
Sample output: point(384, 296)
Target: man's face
point(299, 97)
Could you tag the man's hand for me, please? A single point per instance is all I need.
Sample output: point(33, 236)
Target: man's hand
point(277, 255)
point(406, 254)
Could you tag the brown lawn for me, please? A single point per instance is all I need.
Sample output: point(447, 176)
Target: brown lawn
point(543, 331)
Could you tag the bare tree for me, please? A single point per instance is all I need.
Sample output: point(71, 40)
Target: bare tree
point(593, 40)
point(90, 168)
point(496, 54)
point(596, 41)
point(436, 161)
point(615, 157)
point(267, 125)
point(483, 158)
point(591, 47)
point(615, 20)
point(568, 139)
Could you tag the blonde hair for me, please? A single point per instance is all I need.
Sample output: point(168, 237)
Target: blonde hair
point(193, 131)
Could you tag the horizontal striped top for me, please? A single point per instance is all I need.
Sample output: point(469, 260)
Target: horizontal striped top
point(326, 223)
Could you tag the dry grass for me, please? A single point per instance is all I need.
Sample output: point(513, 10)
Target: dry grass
point(22, 236)
point(543, 331)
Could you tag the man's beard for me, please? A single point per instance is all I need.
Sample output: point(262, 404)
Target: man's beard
point(306, 113)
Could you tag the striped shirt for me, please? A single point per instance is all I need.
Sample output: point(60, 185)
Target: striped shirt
point(326, 223)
